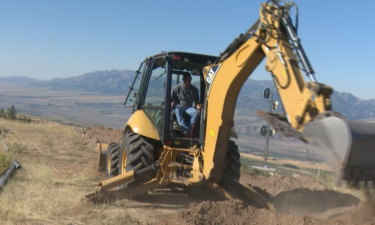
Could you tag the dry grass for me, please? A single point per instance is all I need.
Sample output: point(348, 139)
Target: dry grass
point(5, 160)
point(362, 191)
point(298, 163)
point(321, 172)
point(57, 170)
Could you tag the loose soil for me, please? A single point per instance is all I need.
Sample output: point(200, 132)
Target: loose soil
point(101, 134)
point(297, 200)
point(58, 171)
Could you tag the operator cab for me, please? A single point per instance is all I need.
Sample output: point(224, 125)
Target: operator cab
point(152, 87)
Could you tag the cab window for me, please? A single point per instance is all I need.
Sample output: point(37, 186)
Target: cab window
point(156, 87)
point(134, 88)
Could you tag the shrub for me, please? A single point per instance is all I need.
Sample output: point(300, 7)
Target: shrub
point(5, 162)
point(12, 112)
point(290, 166)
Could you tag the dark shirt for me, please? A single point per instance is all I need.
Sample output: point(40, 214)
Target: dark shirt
point(184, 96)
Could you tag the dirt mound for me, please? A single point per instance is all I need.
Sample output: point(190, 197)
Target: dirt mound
point(224, 212)
point(277, 184)
point(101, 134)
point(364, 213)
point(304, 201)
point(297, 199)
point(236, 212)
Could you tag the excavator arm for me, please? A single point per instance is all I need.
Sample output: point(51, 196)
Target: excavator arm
point(308, 107)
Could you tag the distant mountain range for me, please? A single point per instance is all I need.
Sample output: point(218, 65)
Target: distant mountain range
point(117, 82)
point(107, 82)
point(19, 81)
point(251, 97)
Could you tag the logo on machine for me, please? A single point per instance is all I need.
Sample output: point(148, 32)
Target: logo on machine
point(210, 75)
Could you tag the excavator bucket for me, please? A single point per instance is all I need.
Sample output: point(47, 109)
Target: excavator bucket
point(351, 143)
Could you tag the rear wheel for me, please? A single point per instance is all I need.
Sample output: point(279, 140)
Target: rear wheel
point(233, 164)
point(113, 153)
point(137, 153)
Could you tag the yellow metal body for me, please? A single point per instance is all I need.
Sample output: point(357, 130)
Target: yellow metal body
point(114, 182)
point(123, 162)
point(107, 191)
point(297, 99)
point(141, 124)
point(117, 194)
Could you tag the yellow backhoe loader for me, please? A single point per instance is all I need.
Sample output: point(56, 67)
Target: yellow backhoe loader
point(154, 153)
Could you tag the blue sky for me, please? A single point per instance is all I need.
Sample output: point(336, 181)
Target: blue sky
point(46, 39)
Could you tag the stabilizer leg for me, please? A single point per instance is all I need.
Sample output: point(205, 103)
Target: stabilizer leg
point(118, 194)
point(231, 189)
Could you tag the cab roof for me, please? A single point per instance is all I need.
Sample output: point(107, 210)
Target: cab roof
point(198, 58)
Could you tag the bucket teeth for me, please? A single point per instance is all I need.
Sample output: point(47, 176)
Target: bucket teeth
point(350, 144)
point(356, 184)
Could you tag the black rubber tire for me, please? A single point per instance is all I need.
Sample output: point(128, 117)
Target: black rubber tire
point(139, 154)
point(112, 158)
point(233, 164)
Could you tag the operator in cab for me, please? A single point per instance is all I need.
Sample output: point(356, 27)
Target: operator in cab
point(182, 99)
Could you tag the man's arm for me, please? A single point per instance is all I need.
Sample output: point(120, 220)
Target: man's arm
point(196, 99)
point(199, 106)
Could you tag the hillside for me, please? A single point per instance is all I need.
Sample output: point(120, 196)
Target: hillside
point(117, 82)
point(59, 166)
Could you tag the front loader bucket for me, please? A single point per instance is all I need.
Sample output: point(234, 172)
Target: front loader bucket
point(351, 143)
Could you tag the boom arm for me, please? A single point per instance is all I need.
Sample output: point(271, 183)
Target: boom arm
point(275, 38)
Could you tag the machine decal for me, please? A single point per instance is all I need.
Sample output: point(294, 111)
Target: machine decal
point(211, 76)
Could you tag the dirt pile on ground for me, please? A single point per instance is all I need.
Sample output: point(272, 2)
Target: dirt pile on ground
point(298, 200)
point(277, 184)
point(236, 212)
point(304, 201)
point(101, 134)
point(364, 213)
point(224, 212)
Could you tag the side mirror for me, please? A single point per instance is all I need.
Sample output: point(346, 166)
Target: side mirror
point(134, 94)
